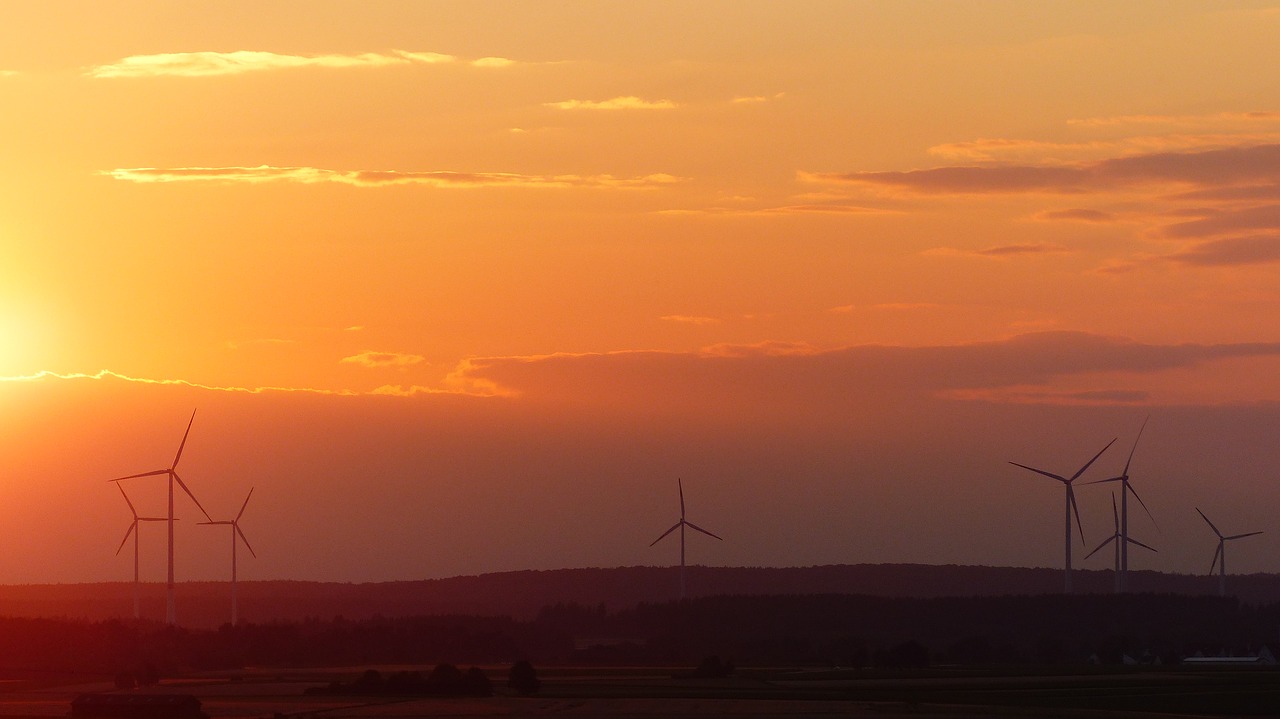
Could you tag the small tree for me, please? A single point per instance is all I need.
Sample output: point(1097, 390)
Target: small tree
point(523, 678)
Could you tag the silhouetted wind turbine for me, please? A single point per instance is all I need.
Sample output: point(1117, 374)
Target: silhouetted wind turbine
point(133, 529)
point(236, 532)
point(1119, 539)
point(1126, 488)
point(172, 474)
point(1220, 556)
point(681, 525)
point(1071, 505)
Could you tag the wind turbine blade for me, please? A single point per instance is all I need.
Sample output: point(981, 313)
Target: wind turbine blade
point(157, 519)
point(126, 536)
point(674, 527)
point(1206, 519)
point(1215, 557)
point(680, 486)
point(245, 540)
point(126, 501)
point(1135, 445)
point(1095, 458)
point(1144, 507)
point(155, 473)
point(1140, 544)
point(1115, 514)
point(192, 496)
point(1241, 536)
point(1071, 499)
point(1100, 546)
point(1104, 481)
point(700, 529)
point(1050, 475)
point(246, 504)
point(219, 522)
point(178, 456)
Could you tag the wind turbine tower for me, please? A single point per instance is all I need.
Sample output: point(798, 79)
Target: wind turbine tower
point(172, 473)
point(1119, 538)
point(681, 525)
point(1126, 488)
point(1070, 507)
point(236, 533)
point(1220, 556)
point(133, 529)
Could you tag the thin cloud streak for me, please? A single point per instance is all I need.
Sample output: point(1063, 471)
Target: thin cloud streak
point(108, 374)
point(211, 64)
point(690, 319)
point(378, 360)
point(1077, 215)
point(1236, 165)
point(629, 102)
point(380, 178)
point(1000, 251)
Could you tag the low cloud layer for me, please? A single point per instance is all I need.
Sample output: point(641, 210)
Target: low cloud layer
point(758, 378)
point(629, 102)
point(378, 178)
point(1229, 166)
point(208, 64)
point(378, 360)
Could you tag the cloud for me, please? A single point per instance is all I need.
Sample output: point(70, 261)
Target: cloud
point(629, 102)
point(1076, 215)
point(1021, 396)
point(493, 62)
point(378, 360)
point(760, 378)
point(208, 64)
point(757, 99)
point(826, 209)
point(1229, 166)
point(378, 178)
point(1263, 217)
point(1000, 251)
point(994, 150)
point(833, 209)
point(689, 319)
point(1230, 117)
point(1228, 252)
point(46, 375)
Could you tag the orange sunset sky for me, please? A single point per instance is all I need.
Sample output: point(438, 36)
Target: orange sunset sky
point(463, 287)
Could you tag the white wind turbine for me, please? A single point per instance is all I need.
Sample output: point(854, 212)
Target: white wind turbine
point(133, 529)
point(1126, 488)
point(1119, 538)
point(1071, 505)
point(681, 525)
point(236, 532)
point(172, 474)
point(1220, 556)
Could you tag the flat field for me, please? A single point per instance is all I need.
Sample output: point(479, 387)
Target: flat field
point(758, 693)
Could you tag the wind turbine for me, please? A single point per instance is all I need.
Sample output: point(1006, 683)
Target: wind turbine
point(1126, 488)
point(1119, 539)
point(236, 532)
point(133, 529)
point(1220, 556)
point(681, 525)
point(1071, 505)
point(172, 474)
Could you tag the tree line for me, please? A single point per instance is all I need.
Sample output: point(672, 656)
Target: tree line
point(820, 630)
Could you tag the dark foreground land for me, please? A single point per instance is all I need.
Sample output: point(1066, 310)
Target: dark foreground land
point(755, 693)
